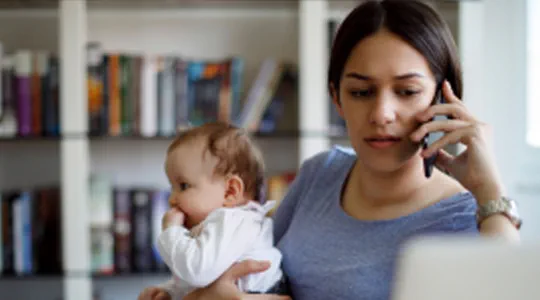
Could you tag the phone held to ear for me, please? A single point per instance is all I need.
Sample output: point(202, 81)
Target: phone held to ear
point(432, 137)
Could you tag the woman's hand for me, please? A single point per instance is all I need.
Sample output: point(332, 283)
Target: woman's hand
point(474, 168)
point(225, 286)
point(154, 293)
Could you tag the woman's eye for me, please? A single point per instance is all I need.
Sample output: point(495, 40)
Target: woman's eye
point(361, 93)
point(184, 186)
point(407, 93)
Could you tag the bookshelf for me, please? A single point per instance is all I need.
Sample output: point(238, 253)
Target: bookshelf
point(292, 30)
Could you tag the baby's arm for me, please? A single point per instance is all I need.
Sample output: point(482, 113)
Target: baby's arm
point(224, 238)
point(173, 289)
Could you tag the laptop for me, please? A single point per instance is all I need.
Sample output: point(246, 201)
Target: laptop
point(453, 268)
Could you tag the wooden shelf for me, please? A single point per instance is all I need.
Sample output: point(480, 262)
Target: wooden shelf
point(131, 275)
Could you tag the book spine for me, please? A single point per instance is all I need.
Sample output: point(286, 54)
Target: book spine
point(136, 95)
point(122, 231)
point(2, 101)
point(35, 92)
point(53, 115)
point(160, 63)
point(142, 231)
point(7, 234)
point(2, 199)
point(18, 235)
point(237, 68)
point(167, 114)
point(126, 73)
point(8, 120)
point(115, 101)
point(95, 88)
point(26, 218)
point(181, 96)
point(105, 73)
point(23, 69)
point(149, 96)
point(160, 205)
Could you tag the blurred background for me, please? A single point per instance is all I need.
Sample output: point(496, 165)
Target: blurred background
point(93, 91)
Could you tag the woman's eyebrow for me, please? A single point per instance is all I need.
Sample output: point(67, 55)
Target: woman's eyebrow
point(409, 76)
point(358, 76)
point(405, 76)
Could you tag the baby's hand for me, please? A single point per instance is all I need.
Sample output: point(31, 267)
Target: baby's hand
point(173, 217)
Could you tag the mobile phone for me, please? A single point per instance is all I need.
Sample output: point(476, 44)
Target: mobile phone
point(432, 137)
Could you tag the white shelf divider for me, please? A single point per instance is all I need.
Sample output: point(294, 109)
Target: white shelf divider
point(74, 151)
point(313, 99)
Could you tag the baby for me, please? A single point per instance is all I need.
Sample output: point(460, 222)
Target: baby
point(217, 215)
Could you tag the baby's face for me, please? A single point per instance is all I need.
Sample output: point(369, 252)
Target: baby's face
point(194, 189)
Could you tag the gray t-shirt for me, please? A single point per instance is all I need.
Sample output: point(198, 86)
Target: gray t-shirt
point(328, 254)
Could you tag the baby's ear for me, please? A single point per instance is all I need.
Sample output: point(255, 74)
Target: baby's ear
point(234, 191)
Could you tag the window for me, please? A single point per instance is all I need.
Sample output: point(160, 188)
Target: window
point(533, 73)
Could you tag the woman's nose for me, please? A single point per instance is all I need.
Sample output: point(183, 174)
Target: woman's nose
point(383, 111)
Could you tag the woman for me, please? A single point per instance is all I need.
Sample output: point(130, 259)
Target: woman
point(349, 210)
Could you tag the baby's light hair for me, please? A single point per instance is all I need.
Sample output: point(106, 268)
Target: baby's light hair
point(236, 153)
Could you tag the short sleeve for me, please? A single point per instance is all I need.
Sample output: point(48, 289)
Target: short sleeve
point(298, 188)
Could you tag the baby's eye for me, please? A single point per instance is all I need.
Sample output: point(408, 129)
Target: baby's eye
point(184, 186)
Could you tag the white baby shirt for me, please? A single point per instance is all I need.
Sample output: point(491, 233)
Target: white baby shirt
point(197, 257)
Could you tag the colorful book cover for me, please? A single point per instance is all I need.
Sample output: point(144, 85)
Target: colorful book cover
point(94, 82)
point(205, 82)
point(115, 102)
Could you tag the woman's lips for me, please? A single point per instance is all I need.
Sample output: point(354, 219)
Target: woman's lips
point(382, 142)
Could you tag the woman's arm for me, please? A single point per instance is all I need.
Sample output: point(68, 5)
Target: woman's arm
point(224, 288)
point(496, 225)
point(475, 167)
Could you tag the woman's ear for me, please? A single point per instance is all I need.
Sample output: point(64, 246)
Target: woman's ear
point(234, 191)
point(335, 99)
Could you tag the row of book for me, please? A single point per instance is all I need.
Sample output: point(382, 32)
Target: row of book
point(151, 95)
point(126, 221)
point(29, 93)
point(30, 235)
point(157, 95)
point(124, 225)
point(146, 95)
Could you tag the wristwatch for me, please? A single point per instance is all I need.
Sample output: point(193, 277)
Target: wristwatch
point(504, 206)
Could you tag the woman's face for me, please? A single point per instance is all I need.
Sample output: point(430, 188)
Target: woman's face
point(384, 85)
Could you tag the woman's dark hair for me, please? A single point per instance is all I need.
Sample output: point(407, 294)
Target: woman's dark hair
point(414, 21)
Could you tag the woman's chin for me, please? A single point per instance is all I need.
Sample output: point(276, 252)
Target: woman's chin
point(385, 163)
